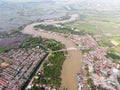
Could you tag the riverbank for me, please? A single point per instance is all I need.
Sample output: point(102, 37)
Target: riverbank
point(71, 65)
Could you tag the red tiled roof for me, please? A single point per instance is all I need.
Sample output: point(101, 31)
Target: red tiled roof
point(3, 82)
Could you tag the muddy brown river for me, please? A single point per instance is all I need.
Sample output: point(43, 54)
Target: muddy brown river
point(72, 63)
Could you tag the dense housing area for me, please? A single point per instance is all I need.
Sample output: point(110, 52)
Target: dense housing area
point(19, 63)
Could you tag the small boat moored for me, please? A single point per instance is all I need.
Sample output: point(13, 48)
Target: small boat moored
point(80, 80)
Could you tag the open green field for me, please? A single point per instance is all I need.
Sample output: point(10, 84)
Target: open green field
point(101, 43)
point(112, 50)
point(94, 24)
point(115, 49)
point(81, 26)
point(103, 23)
point(117, 39)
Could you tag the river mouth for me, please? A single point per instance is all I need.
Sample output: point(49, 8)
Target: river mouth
point(72, 64)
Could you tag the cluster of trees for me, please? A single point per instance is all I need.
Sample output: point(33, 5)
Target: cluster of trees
point(91, 83)
point(53, 28)
point(113, 56)
point(59, 29)
point(55, 61)
point(4, 49)
point(105, 42)
point(118, 79)
point(53, 45)
point(34, 42)
point(52, 68)
point(87, 70)
point(30, 42)
point(85, 51)
point(96, 59)
point(94, 87)
point(42, 42)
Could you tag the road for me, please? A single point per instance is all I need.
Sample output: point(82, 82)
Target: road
point(72, 64)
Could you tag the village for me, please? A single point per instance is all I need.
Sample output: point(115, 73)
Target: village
point(101, 70)
point(16, 66)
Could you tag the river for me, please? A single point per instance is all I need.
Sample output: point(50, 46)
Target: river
point(72, 64)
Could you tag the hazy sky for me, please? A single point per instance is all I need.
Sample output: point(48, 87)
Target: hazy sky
point(112, 1)
point(19, 0)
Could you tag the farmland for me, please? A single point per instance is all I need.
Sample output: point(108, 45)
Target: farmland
point(93, 25)
point(81, 26)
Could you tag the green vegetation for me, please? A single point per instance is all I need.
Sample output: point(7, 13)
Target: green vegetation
point(118, 79)
point(81, 26)
point(105, 42)
point(53, 45)
point(92, 86)
point(103, 23)
point(91, 83)
point(59, 29)
point(101, 43)
point(4, 49)
point(52, 28)
point(87, 70)
point(116, 38)
point(53, 72)
point(116, 60)
point(85, 51)
point(116, 49)
point(115, 57)
point(96, 59)
point(31, 42)
point(52, 68)
point(94, 25)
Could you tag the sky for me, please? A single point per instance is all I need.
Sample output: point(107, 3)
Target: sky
point(19, 0)
point(106, 1)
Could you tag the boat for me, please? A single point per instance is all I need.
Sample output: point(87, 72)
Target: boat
point(80, 84)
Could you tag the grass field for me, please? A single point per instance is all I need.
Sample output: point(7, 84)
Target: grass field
point(81, 26)
point(117, 49)
point(93, 25)
point(105, 24)
point(101, 43)
point(117, 39)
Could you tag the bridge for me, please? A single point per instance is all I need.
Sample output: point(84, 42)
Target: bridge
point(68, 49)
